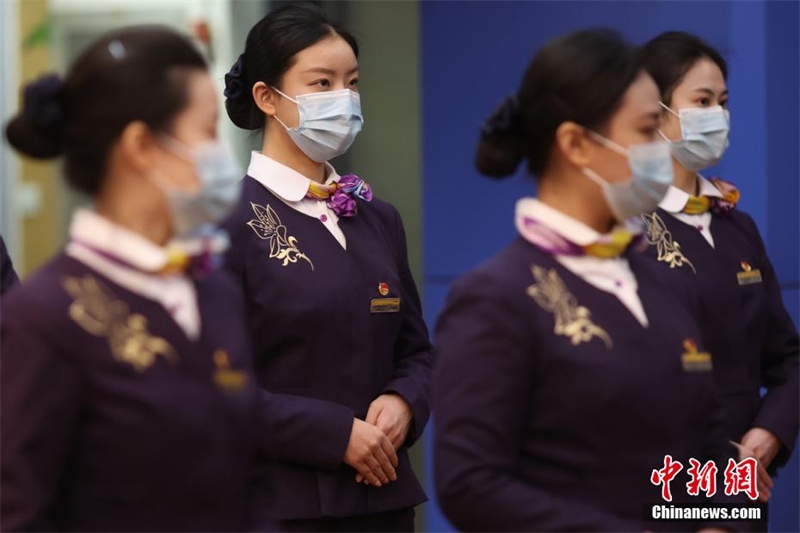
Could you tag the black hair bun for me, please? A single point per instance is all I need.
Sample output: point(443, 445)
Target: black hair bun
point(38, 131)
point(239, 103)
point(501, 149)
point(234, 86)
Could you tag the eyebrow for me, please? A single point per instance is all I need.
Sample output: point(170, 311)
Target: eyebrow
point(709, 92)
point(322, 70)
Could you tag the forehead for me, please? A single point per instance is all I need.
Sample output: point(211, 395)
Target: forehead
point(202, 95)
point(331, 52)
point(703, 74)
point(641, 98)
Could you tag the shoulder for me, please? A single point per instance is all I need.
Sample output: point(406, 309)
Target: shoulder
point(41, 303)
point(385, 223)
point(744, 221)
point(495, 300)
point(504, 276)
point(252, 192)
point(222, 286)
point(515, 259)
point(381, 211)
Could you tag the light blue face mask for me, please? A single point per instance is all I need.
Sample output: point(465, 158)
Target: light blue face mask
point(329, 123)
point(652, 175)
point(220, 179)
point(704, 136)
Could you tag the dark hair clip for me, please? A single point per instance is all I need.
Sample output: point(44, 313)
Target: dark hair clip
point(42, 103)
point(504, 120)
point(233, 79)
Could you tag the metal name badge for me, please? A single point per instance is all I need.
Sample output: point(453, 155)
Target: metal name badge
point(748, 275)
point(384, 305)
point(694, 361)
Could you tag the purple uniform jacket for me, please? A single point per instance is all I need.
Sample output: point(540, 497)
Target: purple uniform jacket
point(342, 326)
point(554, 404)
point(747, 328)
point(114, 420)
point(8, 277)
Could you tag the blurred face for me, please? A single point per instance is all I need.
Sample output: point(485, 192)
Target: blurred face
point(703, 85)
point(195, 125)
point(329, 65)
point(635, 122)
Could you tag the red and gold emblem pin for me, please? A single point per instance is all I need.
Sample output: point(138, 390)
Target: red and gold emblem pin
point(748, 275)
point(383, 288)
point(694, 360)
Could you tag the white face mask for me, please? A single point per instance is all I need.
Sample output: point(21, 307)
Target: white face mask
point(704, 136)
point(328, 125)
point(220, 186)
point(652, 174)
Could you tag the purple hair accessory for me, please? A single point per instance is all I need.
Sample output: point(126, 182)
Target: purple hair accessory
point(233, 79)
point(42, 102)
point(504, 120)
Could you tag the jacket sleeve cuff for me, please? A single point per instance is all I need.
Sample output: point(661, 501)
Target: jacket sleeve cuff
point(404, 388)
point(306, 431)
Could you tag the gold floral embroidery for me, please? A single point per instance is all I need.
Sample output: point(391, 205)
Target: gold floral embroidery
point(268, 226)
point(669, 251)
point(572, 320)
point(98, 311)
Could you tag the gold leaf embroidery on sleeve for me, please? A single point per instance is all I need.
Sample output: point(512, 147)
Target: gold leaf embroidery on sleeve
point(571, 320)
point(267, 225)
point(669, 250)
point(100, 313)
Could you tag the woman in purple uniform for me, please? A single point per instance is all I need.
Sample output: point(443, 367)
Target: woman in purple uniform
point(699, 234)
point(567, 367)
point(334, 311)
point(127, 399)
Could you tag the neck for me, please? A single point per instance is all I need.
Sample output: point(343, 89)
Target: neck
point(129, 203)
point(578, 201)
point(685, 180)
point(280, 147)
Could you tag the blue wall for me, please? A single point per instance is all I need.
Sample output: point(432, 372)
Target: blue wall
point(474, 54)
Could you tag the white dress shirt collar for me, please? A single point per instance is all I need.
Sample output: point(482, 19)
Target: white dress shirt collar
point(612, 275)
point(567, 227)
point(676, 199)
point(94, 238)
point(95, 231)
point(283, 181)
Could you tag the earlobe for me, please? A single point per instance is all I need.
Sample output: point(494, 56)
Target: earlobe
point(264, 97)
point(573, 143)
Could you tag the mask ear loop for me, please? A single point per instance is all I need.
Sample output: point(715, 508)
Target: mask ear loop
point(611, 145)
point(595, 177)
point(283, 94)
point(275, 116)
point(608, 143)
point(669, 110)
